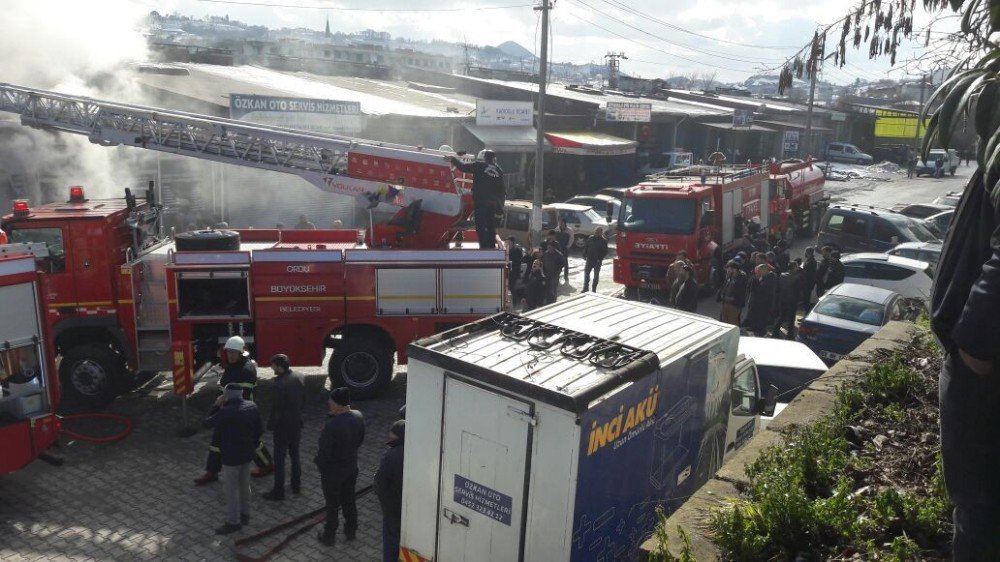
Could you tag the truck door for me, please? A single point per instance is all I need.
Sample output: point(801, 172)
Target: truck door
point(743, 418)
point(484, 461)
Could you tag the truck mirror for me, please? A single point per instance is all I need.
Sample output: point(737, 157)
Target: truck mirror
point(770, 402)
point(609, 211)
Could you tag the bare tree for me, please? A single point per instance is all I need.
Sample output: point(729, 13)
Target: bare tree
point(708, 79)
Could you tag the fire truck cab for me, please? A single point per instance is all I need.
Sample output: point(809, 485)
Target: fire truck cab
point(29, 392)
point(82, 244)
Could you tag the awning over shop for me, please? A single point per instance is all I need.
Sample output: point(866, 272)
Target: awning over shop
point(787, 125)
point(755, 128)
point(505, 139)
point(590, 143)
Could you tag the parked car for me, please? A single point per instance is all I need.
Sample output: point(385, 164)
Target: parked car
point(581, 219)
point(600, 204)
point(927, 167)
point(950, 199)
point(911, 279)
point(868, 229)
point(787, 365)
point(929, 252)
point(844, 152)
point(920, 210)
point(939, 223)
point(845, 316)
point(616, 192)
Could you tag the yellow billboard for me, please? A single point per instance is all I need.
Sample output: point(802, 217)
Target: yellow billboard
point(892, 124)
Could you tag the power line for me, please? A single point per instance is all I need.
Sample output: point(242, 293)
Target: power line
point(676, 44)
point(648, 46)
point(695, 33)
point(338, 9)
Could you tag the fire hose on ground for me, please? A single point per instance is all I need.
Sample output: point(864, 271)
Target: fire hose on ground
point(308, 521)
point(125, 422)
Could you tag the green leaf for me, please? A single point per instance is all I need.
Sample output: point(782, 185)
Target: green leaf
point(970, 10)
point(988, 110)
point(930, 135)
point(951, 109)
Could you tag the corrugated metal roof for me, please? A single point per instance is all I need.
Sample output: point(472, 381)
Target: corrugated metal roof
point(676, 107)
point(667, 333)
point(214, 84)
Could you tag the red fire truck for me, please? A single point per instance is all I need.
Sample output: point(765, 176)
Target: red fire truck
point(124, 298)
point(29, 393)
point(700, 209)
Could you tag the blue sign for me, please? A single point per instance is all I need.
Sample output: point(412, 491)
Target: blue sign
point(481, 499)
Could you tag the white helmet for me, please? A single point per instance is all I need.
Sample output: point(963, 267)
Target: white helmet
point(236, 344)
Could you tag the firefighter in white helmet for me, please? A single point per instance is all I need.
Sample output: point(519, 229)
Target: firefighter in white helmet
point(240, 371)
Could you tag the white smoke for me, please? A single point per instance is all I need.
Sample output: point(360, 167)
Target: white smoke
point(75, 48)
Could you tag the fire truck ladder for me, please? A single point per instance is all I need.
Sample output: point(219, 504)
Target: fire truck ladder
point(336, 164)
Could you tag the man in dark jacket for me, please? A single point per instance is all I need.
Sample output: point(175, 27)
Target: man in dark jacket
point(965, 317)
point(834, 271)
point(337, 460)
point(237, 423)
point(789, 295)
point(515, 253)
point(781, 256)
point(674, 270)
point(285, 422)
point(488, 194)
point(565, 238)
point(536, 288)
point(553, 262)
point(389, 489)
point(684, 293)
point(240, 371)
point(761, 305)
point(733, 294)
point(821, 269)
point(594, 252)
point(808, 277)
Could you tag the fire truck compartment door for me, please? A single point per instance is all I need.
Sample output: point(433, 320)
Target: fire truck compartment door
point(472, 291)
point(728, 216)
point(484, 456)
point(765, 204)
point(20, 315)
point(406, 291)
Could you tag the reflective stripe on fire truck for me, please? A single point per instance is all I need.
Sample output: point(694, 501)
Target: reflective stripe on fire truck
point(409, 555)
point(296, 299)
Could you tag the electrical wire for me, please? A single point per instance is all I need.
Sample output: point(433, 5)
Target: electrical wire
point(676, 27)
point(339, 9)
point(668, 41)
point(651, 47)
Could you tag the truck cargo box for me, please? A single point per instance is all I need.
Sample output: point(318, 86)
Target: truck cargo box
point(557, 434)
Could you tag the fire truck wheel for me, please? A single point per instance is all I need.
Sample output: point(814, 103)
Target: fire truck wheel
point(362, 365)
point(208, 240)
point(90, 374)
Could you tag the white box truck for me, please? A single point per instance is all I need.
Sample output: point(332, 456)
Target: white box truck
point(555, 435)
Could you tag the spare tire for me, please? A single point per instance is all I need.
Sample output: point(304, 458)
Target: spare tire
point(202, 240)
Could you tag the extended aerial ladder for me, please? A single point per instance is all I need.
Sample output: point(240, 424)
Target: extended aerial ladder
point(431, 197)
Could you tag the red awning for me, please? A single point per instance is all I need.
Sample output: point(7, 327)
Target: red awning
point(590, 143)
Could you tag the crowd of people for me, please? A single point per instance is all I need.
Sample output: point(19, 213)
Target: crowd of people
point(237, 442)
point(761, 289)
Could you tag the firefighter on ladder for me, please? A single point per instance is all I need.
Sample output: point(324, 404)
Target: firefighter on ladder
point(240, 371)
point(488, 194)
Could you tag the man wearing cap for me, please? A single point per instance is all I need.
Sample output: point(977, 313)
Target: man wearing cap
point(389, 489)
point(237, 424)
point(285, 422)
point(241, 372)
point(733, 294)
point(337, 460)
point(488, 194)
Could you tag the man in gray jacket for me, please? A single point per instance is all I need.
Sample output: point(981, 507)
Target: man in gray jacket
point(286, 424)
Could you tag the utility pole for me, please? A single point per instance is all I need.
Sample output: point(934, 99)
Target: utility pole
point(916, 128)
point(614, 61)
point(535, 233)
point(807, 142)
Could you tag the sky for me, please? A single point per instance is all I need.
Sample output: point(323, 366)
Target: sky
point(740, 37)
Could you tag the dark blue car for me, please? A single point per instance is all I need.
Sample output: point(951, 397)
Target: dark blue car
point(845, 316)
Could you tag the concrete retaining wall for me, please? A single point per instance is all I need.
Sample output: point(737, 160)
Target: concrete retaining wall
point(811, 404)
